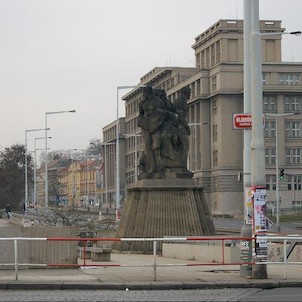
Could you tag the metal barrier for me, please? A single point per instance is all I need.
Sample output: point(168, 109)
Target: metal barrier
point(283, 239)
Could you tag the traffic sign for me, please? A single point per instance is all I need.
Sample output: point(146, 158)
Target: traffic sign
point(242, 121)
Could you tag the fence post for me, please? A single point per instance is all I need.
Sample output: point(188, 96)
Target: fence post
point(16, 258)
point(154, 259)
point(285, 258)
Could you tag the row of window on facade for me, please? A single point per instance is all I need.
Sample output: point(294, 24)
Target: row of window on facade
point(290, 182)
point(292, 156)
point(291, 103)
point(284, 79)
point(289, 78)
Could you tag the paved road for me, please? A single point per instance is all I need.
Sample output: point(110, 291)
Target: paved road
point(226, 294)
point(231, 294)
point(231, 224)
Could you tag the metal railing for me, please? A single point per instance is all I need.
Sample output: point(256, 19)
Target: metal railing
point(225, 241)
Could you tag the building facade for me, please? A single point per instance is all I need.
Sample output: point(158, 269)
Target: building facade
point(216, 148)
point(77, 183)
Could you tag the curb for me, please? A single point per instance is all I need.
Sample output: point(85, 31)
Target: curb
point(166, 285)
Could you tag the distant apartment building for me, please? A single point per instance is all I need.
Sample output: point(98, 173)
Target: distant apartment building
point(73, 182)
point(216, 148)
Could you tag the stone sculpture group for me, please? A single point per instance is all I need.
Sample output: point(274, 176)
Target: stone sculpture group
point(165, 133)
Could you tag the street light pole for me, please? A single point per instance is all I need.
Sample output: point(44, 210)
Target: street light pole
point(35, 168)
point(46, 159)
point(257, 142)
point(117, 166)
point(25, 163)
point(246, 231)
point(276, 115)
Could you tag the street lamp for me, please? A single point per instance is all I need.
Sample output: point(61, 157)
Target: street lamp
point(35, 168)
point(295, 33)
point(46, 172)
point(117, 166)
point(253, 157)
point(276, 115)
point(25, 163)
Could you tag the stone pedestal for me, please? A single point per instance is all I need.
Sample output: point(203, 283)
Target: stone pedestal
point(163, 207)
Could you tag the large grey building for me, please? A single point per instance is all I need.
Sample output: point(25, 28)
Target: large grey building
point(216, 148)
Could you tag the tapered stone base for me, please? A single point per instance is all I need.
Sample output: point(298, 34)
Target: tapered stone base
point(163, 207)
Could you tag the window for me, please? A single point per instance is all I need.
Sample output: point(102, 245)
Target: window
point(292, 129)
point(213, 54)
point(294, 182)
point(214, 83)
point(267, 178)
point(270, 129)
point(289, 78)
point(271, 182)
point(293, 156)
point(296, 204)
point(270, 156)
point(269, 103)
point(215, 133)
point(218, 52)
point(293, 103)
point(207, 58)
point(214, 107)
point(263, 78)
point(215, 158)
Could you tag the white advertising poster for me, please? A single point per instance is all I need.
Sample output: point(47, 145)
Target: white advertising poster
point(259, 198)
point(248, 208)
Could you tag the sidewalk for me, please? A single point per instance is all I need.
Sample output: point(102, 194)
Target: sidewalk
point(141, 275)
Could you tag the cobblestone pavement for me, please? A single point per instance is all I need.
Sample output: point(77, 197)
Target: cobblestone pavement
point(227, 294)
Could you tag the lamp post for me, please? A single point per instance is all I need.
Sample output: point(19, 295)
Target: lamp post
point(35, 168)
point(253, 159)
point(25, 163)
point(246, 231)
point(117, 166)
point(276, 115)
point(46, 159)
point(257, 138)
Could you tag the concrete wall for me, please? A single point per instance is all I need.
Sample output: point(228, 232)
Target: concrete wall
point(7, 247)
point(201, 252)
point(211, 252)
point(275, 253)
point(63, 252)
point(38, 252)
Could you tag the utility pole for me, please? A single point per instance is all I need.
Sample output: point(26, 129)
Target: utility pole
point(257, 144)
point(246, 231)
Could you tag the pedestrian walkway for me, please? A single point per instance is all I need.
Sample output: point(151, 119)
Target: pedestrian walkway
point(135, 271)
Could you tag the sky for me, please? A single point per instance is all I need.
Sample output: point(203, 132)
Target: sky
point(61, 55)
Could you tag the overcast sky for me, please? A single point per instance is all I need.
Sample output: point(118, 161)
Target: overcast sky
point(58, 55)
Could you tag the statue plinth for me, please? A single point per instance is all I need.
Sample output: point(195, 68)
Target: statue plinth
point(163, 207)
